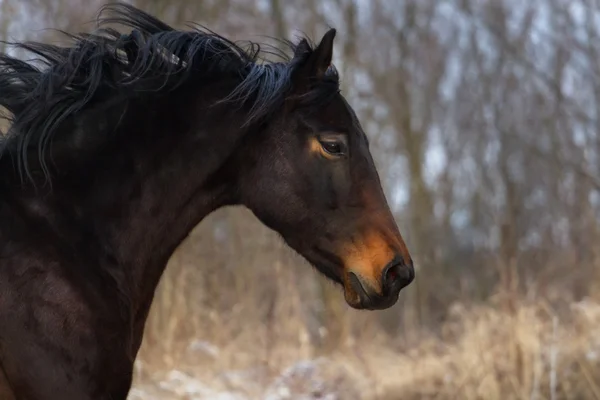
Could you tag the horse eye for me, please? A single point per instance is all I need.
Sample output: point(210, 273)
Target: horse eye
point(334, 148)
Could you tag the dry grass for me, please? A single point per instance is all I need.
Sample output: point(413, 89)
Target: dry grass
point(479, 352)
point(486, 353)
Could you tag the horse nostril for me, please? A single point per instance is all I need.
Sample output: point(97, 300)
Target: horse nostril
point(396, 276)
point(390, 275)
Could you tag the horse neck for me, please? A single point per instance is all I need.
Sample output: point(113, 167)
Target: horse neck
point(154, 185)
point(182, 177)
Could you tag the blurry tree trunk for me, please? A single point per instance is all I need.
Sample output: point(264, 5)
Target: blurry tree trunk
point(509, 222)
point(158, 8)
point(420, 205)
point(420, 211)
point(6, 15)
point(279, 19)
point(350, 39)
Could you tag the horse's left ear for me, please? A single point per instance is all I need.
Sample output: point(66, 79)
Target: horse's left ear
point(318, 61)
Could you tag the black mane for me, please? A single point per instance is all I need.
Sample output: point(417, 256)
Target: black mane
point(152, 59)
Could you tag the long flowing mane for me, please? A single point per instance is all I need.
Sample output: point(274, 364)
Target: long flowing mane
point(152, 59)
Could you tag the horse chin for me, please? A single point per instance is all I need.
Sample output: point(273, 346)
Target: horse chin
point(365, 301)
point(352, 299)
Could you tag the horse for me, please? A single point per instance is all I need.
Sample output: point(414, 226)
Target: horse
point(119, 144)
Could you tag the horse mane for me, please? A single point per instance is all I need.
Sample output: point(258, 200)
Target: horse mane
point(153, 59)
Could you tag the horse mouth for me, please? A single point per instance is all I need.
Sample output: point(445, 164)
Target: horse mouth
point(327, 263)
point(356, 295)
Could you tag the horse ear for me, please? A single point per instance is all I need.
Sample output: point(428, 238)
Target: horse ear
point(302, 49)
point(323, 54)
point(318, 60)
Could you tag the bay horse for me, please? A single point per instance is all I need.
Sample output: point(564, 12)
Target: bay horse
point(121, 143)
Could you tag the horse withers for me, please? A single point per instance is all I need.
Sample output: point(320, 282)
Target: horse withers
point(123, 142)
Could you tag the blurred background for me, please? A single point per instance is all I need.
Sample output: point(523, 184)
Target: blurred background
point(484, 119)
